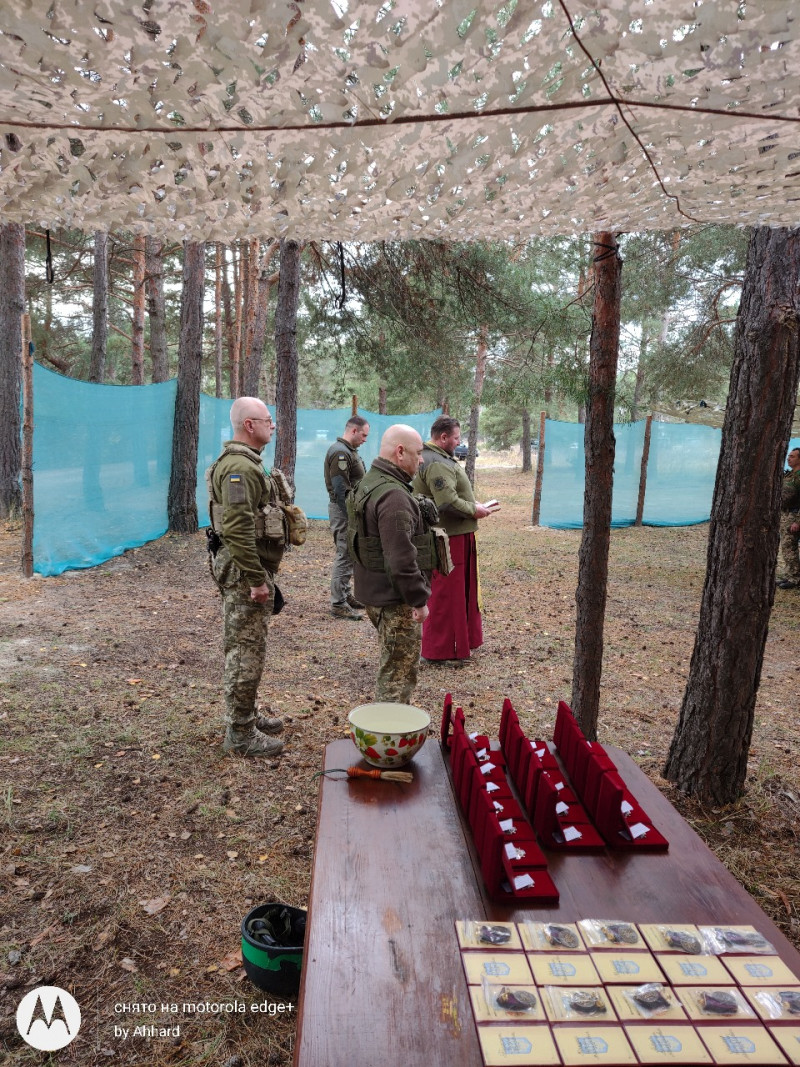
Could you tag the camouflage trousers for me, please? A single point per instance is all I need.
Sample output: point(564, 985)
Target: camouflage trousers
point(400, 639)
point(342, 573)
point(245, 625)
point(789, 547)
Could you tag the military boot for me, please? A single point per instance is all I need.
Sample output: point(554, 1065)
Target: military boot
point(250, 743)
point(268, 725)
point(344, 611)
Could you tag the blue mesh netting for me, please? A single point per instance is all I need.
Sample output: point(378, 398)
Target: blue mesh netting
point(681, 471)
point(101, 463)
point(680, 474)
point(102, 458)
point(316, 432)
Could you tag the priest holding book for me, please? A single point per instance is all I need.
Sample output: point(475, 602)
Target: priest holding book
point(453, 627)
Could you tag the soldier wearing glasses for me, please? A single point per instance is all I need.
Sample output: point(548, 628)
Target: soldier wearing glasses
point(246, 554)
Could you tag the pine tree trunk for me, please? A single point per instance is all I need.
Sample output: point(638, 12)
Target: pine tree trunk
point(219, 250)
point(709, 751)
point(526, 442)
point(252, 367)
point(156, 308)
point(639, 384)
point(236, 322)
point(248, 355)
point(590, 596)
point(43, 347)
point(475, 410)
point(12, 306)
point(139, 301)
point(182, 503)
point(97, 360)
point(230, 325)
point(286, 358)
point(257, 335)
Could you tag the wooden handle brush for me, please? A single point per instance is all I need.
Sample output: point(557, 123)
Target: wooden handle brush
point(362, 772)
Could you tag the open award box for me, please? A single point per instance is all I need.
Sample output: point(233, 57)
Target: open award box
point(521, 796)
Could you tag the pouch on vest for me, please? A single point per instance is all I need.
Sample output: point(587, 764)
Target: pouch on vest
point(296, 523)
point(444, 561)
point(270, 524)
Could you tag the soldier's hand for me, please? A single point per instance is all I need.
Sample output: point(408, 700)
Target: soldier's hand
point(419, 614)
point(260, 593)
point(482, 510)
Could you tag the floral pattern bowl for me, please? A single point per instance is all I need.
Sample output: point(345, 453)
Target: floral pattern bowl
point(388, 735)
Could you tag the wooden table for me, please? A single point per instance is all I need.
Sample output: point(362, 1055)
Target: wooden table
point(394, 867)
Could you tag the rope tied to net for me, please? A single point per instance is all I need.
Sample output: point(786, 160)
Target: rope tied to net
point(341, 300)
point(611, 250)
point(49, 273)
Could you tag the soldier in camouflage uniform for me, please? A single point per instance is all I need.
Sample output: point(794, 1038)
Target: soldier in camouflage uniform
point(790, 522)
point(394, 554)
point(247, 547)
point(344, 469)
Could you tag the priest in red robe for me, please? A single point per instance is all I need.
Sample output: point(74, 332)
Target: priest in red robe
point(453, 627)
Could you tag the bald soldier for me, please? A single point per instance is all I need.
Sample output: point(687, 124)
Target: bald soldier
point(246, 553)
point(394, 554)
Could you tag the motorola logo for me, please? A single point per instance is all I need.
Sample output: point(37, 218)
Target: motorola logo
point(48, 1018)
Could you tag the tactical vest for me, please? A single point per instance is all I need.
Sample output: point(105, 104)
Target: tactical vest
point(367, 550)
point(270, 521)
point(354, 465)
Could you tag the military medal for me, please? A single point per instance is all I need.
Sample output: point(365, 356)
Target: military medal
point(515, 999)
point(651, 997)
point(718, 1002)
point(494, 935)
point(586, 1002)
point(790, 999)
point(620, 933)
point(683, 941)
point(561, 936)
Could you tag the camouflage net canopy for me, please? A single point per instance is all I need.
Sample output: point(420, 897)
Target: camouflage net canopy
point(444, 119)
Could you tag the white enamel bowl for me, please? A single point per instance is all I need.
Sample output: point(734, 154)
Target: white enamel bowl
point(388, 735)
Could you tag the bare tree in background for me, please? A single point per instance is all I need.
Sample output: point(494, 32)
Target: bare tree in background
point(139, 302)
point(286, 358)
point(97, 361)
point(156, 308)
point(259, 294)
point(182, 501)
point(12, 306)
point(475, 409)
point(526, 442)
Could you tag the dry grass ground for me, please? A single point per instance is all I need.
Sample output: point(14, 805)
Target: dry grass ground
point(130, 848)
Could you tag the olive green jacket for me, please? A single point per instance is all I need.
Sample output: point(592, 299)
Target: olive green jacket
point(442, 478)
point(393, 520)
point(242, 486)
point(344, 469)
point(790, 491)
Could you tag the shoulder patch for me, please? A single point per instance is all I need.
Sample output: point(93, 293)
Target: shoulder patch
point(438, 483)
point(237, 491)
point(342, 462)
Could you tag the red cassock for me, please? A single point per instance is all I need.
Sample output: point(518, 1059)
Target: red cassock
point(453, 625)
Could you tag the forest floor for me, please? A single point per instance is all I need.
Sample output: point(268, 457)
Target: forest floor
point(131, 848)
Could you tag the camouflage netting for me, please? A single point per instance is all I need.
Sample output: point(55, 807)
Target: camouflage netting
point(345, 120)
